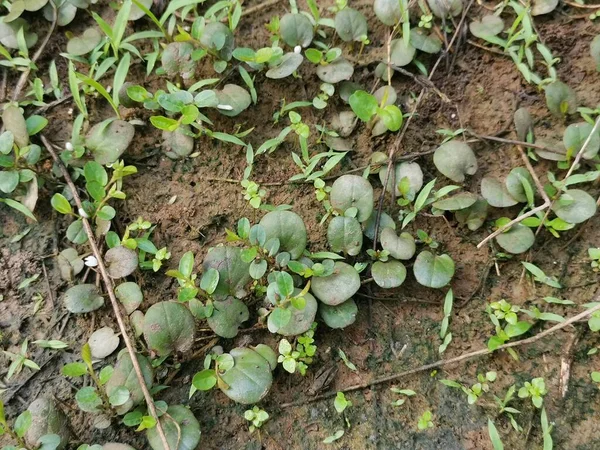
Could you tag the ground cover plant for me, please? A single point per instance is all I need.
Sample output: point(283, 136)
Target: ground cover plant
point(222, 219)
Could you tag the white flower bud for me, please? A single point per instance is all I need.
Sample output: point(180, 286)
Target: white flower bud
point(90, 261)
point(225, 107)
point(297, 49)
point(83, 214)
point(69, 146)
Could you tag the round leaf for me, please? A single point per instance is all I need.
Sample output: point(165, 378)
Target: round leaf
point(514, 183)
point(66, 13)
point(444, 8)
point(344, 234)
point(130, 295)
point(424, 41)
point(47, 418)
point(286, 66)
point(120, 261)
point(473, 216)
point(289, 228)
point(177, 59)
point(388, 274)
point(233, 272)
point(169, 327)
point(301, 319)
point(517, 240)
point(296, 29)
point(434, 271)
point(13, 120)
point(489, 25)
point(83, 298)
point(455, 159)
point(136, 13)
point(339, 316)
point(235, 96)
point(218, 38)
point(178, 144)
point(543, 7)
point(103, 342)
point(249, 380)
point(336, 71)
point(181, 428)
point(496, 193)
point(388, 11)
point(338, 287)
point(401, 53)
point(561, 99)
point(400, 247)
point(227, 316)
point(385, 221)
point(85, 43)
point(456, 202)
point(108, 140)
point(8, 34)
point(352, 191)
point(124, 376)
point(576, 135)
point(350, 25)
point(575, 206)
point(411, 171)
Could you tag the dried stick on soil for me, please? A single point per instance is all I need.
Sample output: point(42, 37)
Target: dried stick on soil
point(565, 365)
point(109, 289)
point(25, 75)
point(460, 358)
point(547, 202)
point(400, 137)
point(515, 142)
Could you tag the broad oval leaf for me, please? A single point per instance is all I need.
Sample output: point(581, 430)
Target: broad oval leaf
point(350, 25)
point(233, 272)
point(400, 247)
point(47, 418)
point(124, 376)
point(411, 171)
point(136, 13)
point(388, 11)
point(455, 159)
point(289, 228)
point(234, 96)
point(14, 121)
point(8, 34)
point(489, 25)
point(401, 53)
point(83, 298)
point(456, 202)
point(81, 45)
point(434, 271)
point(227, 316)
point(422, 40)
point(181, 428)
point(250, 378)
point(445, 8)
point(339, 316)
point(517, 240)
point(336, 71)
point(575, 206)
point(296, 29)
point(218, 38)
point(561, 99)
point(575, 136)
point(178, 144)
point(385, 221)
point(344, 234)
point(120, 261)
point(103, 342)
point(388, 274)
point(350, 191)
point(130, 295)
point(177, 60)
point(169, 327)
point(108, 140)
point(301, 319)
point(286, 66)
point(514, 183)
point(543, 7)
point(338, 287)
point(473, 216)
point(496, 193)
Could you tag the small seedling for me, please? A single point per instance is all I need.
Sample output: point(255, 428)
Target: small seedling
point(20, 360)
point(404, 392)
point(257, 417)
point(425, 421)
point(536, 389)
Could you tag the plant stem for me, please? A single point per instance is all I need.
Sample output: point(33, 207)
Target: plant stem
point(111, 294)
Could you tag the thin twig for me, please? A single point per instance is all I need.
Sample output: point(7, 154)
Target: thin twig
point(548, 204)
point(50, 293)
point(514, 142)
point(25, 75)
point(577, 5)
point(460, 358)
point(400, 137)
point(52, 104)
point(109, 289)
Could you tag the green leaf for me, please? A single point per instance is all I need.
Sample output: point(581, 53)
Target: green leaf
point(75, 369)
point(88, 399)
point(98, 87)
point(433, 271)
point(22, 423)
point(35, 124)
point(364, 105)
point(227, 317)
point(280, 317)
point(164, 123)
point(9, 180)
point(494, 436)
point(19, 207)
point(334, 437)
point(119, 396)
point(204, 380)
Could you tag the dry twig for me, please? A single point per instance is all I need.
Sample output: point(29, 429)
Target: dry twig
point(109, 289)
